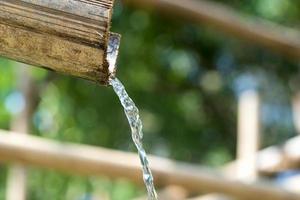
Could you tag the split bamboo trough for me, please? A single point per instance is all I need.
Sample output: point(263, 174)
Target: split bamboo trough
point(67, 36)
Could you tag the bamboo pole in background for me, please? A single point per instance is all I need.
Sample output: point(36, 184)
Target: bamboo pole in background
point(67, 36)
point(296, 111)
point(212, 197)
point(171, 192)
point(273, 159)
point(247, 142)
point(248, 135)
point(283, 40)
point(17, 177)
point(82, 159)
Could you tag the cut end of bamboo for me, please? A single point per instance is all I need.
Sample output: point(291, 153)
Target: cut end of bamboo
point(112, 53)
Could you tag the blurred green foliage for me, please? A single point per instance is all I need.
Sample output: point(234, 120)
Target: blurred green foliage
point(184, 78)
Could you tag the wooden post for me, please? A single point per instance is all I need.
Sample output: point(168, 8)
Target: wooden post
point(67, 36)
point(248, 135)
point(82, 159)
point(245, 168)
point(17, 177)
point(296, 111)
point(276, 38)
point(16, 188)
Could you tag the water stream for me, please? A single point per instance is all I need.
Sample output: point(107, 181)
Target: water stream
point(136, 126)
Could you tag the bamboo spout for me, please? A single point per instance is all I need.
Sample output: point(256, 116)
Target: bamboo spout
point(67, 36)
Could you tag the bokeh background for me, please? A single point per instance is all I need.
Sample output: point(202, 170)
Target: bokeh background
point(185, 79)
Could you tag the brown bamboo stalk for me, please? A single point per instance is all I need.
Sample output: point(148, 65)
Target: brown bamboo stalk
point(67, 36)
point(276, 38)
point(81, 159)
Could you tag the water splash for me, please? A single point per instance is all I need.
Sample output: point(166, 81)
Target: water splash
point(136, 126)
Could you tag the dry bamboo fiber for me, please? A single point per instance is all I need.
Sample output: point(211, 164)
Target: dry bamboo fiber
point(67, 36)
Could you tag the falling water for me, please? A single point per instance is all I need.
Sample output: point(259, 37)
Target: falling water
point(136, 126)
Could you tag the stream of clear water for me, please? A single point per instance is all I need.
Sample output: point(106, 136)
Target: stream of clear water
point(136, 126)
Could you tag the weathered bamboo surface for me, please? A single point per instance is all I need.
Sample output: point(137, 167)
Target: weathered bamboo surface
point(283, 40)
point(82, 159)
point(67, 36)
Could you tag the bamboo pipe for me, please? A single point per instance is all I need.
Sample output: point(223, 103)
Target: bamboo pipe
point(88, 160)
point(67, 36)
point(283, 40)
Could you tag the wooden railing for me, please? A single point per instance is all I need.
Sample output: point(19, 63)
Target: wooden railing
point(88, 160)
point(283, 40)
